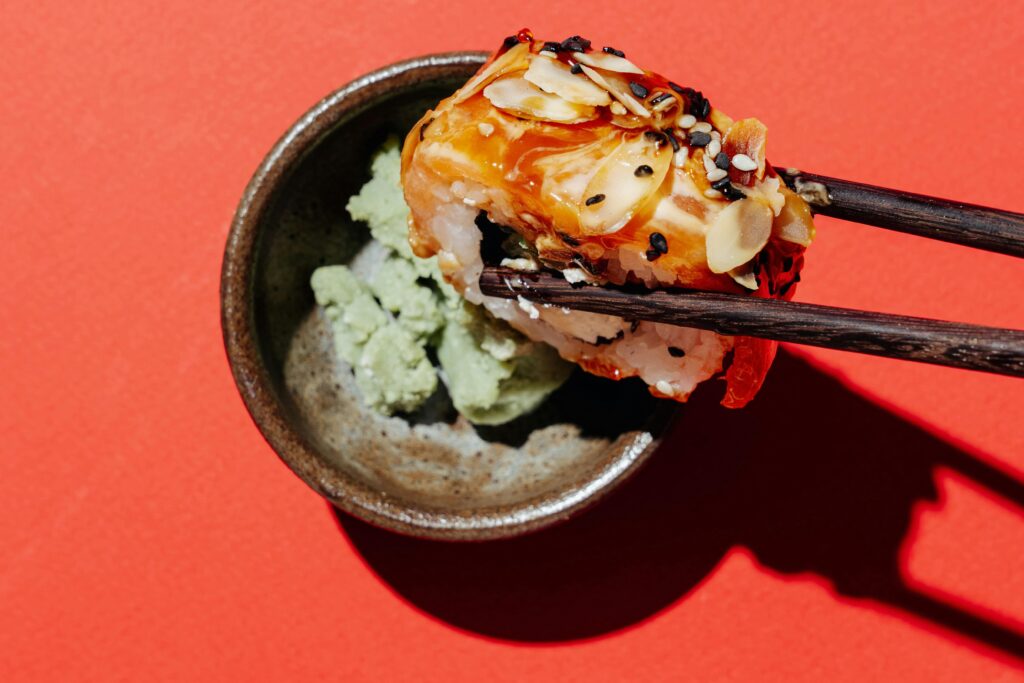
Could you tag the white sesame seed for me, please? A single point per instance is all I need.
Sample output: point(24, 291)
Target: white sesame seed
point(744, 163)
point(574, 275)
point(485, 129)
point(618, 109)
point(664, 387)
point(715, 135)
point(527, 306)
point(549, 53)
point(679, 158)
point(702, 127)
point(712, 194)
point(686, 121)
point(709, 164)
point(525, 264)
point(717, 174)
point(713, 148)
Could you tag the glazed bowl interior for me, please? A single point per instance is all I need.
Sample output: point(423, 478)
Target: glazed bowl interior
point(431, 474)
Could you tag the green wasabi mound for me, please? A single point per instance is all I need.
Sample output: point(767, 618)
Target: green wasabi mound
point(382, 207)
point(494, 374)
point(390, 364)
point(417, 307)
point(383, 327)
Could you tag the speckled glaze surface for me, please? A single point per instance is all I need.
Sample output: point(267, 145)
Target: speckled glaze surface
point(435, 475)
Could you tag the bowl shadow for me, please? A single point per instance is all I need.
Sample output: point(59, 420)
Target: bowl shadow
point(825, 488)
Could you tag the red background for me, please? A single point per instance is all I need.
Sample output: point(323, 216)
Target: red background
point(147, 531)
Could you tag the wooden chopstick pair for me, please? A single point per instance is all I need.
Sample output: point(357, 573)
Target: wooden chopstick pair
point(939, 342)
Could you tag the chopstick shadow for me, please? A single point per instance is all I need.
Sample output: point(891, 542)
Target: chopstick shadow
point(811, 479)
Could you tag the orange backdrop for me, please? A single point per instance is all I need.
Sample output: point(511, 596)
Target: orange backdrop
point(863, 521)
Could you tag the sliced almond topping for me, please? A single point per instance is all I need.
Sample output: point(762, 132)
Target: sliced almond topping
point(744, 276)
point(738, 233)
point(555, 77)
point(748, 137)
point(619, 88)
point(513, 60)
point(627, 178)
point(521, 98)
point(794, 223)
point(630, 121)
point(607, 62)
point(719, 120)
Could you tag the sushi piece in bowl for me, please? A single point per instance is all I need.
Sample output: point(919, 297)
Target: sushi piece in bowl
point(567, 157)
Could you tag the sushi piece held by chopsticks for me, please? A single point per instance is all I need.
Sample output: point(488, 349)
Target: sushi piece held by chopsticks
point(569, 157)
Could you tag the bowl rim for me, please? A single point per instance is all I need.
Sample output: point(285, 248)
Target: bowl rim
point(256, 388)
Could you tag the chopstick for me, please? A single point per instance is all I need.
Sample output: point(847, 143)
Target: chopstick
point(917, 214)
point(960, 345)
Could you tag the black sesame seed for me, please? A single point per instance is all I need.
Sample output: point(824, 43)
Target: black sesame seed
point(678, 88)
point(699, 139)
point(771, 287)
point(672, 140)
point(576, 68)
point(676, 352)
point(726, 187)
point(702, 108)
point(732, 194)
point(613, 51)
point(574, 44)
point(596, 199)
point(785, 288)
point(652, 254)
point(638, 90)
point(722, 161)
point(658, 99)
point(658, 242)
point(633, 324)
point(787, 264)
point(550, 47)
point(643, 170)
point(568, 239)
point(511, 41)
point(655, 136)
point(796, 278)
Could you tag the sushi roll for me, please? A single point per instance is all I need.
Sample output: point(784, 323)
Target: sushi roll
point(568, 157)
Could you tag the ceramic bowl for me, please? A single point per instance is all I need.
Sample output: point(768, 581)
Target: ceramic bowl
point(432, 475)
